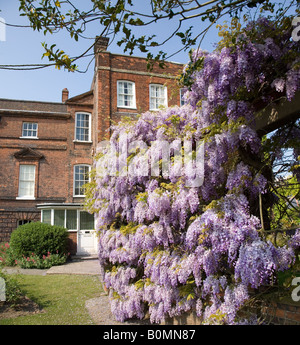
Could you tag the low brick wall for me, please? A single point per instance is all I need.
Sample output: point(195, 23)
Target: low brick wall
point(184, 319)
point(274, 313)
point(72, 242)
point(282, 314)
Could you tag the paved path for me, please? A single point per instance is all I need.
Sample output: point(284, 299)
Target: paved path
point(27, 271)
point(87, 267)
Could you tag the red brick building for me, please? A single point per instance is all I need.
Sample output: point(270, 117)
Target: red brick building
point(46, 148)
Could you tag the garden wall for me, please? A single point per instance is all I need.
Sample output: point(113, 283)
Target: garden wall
point(274, 314)
point(282, 314)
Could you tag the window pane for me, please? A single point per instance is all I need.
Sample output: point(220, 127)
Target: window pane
point(157, 96)
point(86, 221)
point(26, 180)
point(120, 100)
point(82, 130)
point(46, 216)
point(152, 91)
point(85, 122)
point(77, 188)
point(126, 97)
point(59, 217)
point(71, 219)
point(81, 177)
point(23, 221)
point(29, 129)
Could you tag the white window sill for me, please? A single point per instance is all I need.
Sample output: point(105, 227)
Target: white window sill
point(78, 196)
point(25, 198)
point(28, 137)
point(124, 107)
point(83, 141)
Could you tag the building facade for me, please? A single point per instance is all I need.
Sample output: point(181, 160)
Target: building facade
point(46, 148)
point(45, 153)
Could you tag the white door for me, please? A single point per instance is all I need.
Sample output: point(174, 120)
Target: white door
point(87, 240)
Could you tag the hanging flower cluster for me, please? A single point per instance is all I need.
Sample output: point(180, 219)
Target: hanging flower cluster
point(167, 246)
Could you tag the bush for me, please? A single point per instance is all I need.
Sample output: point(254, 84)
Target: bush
point(7, 255)
point(34, 261)
point(38, 238)
point(13, 292)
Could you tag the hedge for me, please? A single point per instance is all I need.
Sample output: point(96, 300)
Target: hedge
point(39, 238)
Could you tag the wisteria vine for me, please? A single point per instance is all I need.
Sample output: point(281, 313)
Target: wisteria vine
point(165, 248)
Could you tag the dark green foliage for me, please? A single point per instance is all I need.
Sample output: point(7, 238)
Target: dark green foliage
point(13, 292)
point(38, 238)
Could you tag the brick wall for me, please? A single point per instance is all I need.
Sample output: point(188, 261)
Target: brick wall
point(281, 314)
point(273, 313)
point(9, 220)
point(72, 242)
point(54, 154)
point(113, 67)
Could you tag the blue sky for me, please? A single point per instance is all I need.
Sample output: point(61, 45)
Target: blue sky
point(23, 46)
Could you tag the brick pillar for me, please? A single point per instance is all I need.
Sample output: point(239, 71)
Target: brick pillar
point(64, 95)
point(103, 96)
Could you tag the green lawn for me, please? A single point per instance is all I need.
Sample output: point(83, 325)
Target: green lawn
point(61, 296)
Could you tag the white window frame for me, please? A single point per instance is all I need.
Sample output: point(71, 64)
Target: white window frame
point(78, 230)
point(76, 165)
point(79, 220)
point(51, 215)
point(25, 129)
point(27, 197)
point(89, 140)
point(165, 92)
point(119, 103)
point(65, 209)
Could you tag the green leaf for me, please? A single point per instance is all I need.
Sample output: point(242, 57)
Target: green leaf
point(180, 34)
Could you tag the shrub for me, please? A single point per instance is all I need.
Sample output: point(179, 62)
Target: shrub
point(7, 255)
point(34, 261)
point(13, 292)
point(38, 238)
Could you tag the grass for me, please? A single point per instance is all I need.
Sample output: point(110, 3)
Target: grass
point(61, 296)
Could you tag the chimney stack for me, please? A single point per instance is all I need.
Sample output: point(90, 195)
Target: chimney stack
point(64, 95)
point(101, 44)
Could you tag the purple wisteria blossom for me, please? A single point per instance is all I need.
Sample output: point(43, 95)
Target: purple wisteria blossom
point(166, 248)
